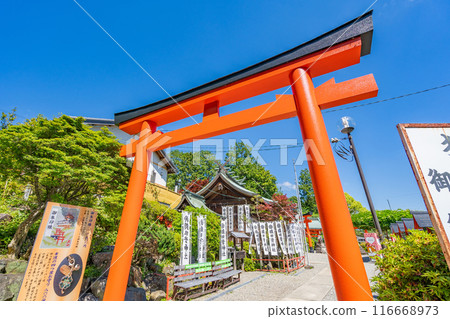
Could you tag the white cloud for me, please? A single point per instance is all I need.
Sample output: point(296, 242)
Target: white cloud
point(288, 186)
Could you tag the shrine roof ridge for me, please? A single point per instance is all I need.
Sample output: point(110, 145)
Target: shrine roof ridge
point(361, 26)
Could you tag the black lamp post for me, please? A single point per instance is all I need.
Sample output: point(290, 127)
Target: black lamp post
point(347, 126)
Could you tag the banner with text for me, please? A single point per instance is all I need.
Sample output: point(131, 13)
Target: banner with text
point(201, 239)
point(272, 239)
point(223, 239)
point(241, 226)
point(262, 226)
point(185, 258)
point(280, 232)
point(257, 240)
point(289, 243)
point(230, 218)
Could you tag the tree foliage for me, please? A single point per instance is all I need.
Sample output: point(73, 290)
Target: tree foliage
point(6, 119)
point(64, 161)
point(354, 206)
point(212, 231)
point(244, 167)
point(364, 220)
point(196, 185)
point(154, 240)
point(281, 208)
point(306, 191)
point(191, 167)
point(413, 268)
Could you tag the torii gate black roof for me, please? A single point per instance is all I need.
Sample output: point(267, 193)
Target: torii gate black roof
point(358, 27)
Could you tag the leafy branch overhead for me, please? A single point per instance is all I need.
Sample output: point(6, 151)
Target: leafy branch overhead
point(63, 160)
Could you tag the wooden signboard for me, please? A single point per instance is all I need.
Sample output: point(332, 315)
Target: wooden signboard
point(58, 260)
point(428, 150)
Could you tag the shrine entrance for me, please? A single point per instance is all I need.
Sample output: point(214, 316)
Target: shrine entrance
point(334, 50)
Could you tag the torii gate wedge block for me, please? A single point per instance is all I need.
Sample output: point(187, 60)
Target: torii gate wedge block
point(333, 50)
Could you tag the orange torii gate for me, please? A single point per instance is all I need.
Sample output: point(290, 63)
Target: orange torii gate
point(337, 49)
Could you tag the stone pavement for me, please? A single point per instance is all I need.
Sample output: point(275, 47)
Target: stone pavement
point(303, 284)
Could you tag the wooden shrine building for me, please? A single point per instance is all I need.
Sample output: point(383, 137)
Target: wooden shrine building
point(224, 190)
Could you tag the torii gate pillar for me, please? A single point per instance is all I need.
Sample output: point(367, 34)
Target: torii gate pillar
point(347, 268)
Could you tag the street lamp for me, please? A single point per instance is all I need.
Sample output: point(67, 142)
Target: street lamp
point(346, 126)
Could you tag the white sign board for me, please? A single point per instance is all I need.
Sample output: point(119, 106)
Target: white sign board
point(257, 240)
point(272, 239)
point(185, 258)
point(223, 239)
point(230, 218)
point(201, 239)
point(241, 218)
point(262, 225)
point(224, 211)
point(280, 232)
point(428, 150)
point(289, 243)
point(300, 234)
point(296, 238)
point(248, 227)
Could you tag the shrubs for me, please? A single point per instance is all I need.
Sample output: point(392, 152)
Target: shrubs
point(212, 232)
point(413, 268)
point(249, 264)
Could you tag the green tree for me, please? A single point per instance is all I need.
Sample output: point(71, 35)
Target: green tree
point(64, 161)
point(244, 167)
point(212, 231)
point(307, 193)
point(364, 220)
point(7, 119)
point(191, 167)
point(354, 206)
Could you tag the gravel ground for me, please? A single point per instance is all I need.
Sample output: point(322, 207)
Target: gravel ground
point(269, 286)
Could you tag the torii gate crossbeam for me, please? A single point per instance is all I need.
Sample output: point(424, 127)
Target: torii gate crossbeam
point(334, 50)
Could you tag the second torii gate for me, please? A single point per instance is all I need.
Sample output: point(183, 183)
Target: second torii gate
point(337, 49)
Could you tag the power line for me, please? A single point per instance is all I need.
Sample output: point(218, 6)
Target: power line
point(389, 99)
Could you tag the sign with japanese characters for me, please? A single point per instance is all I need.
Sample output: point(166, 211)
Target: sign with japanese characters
point(296, 238)
point(257, 240)
point(279, 229)
point(230, 218)
point(428, 150)
point(262, 226)
point(224, 211)
point(290, 246)
point(185, 258)
point(241, 225)
point(301, 237)
point(201, 239)
point(223, 239)
point(272, 239)
point(58, 260)
point(248, 226)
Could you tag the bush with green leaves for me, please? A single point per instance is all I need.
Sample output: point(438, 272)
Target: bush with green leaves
point(249, 264)
point(413, 268)
point(212, 231)
point(154, 240)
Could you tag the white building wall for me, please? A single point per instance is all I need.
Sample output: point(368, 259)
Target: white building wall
point(156, 170)
point(157, 173)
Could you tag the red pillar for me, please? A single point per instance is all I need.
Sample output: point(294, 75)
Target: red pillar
point(116, 285)
point(347, 268)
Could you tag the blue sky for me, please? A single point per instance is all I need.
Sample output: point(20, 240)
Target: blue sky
point(55, 60)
